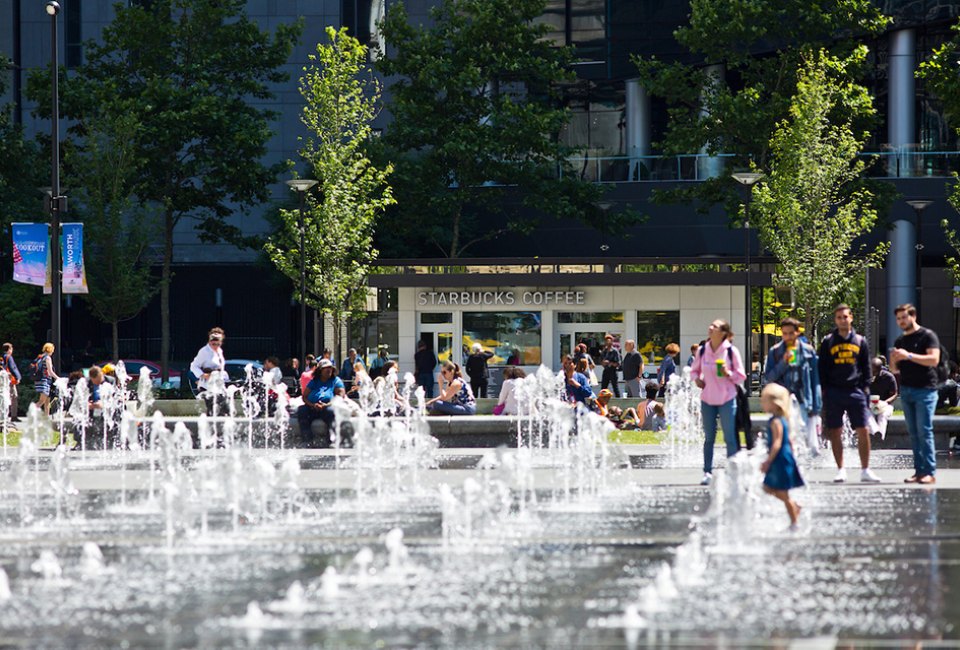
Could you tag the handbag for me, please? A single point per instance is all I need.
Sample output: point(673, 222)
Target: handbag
point(498, 409)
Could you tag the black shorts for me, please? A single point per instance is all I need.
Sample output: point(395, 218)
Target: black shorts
point(853, 401)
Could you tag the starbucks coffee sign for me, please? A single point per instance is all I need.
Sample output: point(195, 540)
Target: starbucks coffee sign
point(509, 298)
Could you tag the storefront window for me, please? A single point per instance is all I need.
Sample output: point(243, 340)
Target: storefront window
point(656, 329)
point(379, 330)
point(513, 337)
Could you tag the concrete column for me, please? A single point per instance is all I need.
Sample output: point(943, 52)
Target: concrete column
point(549, 342)
point(710, 167)
point(638, 129)
point(901, 274)
point(901, 116)
point(406, 328)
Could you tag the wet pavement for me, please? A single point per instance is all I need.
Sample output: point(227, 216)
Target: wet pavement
point(493, 565)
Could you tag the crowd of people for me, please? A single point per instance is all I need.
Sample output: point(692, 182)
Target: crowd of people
point(835, 383)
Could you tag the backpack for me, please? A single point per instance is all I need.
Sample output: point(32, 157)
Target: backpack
point(38, 367)
point(943, 368)
point(743, 421)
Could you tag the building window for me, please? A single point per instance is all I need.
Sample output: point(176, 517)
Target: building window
point(513, 337)
point(590, 317)
point(580, 23)
point(362, 20)
point(73, 34)
point(655, 329)
point(436, 318)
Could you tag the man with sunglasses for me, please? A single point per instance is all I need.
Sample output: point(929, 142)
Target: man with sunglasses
point(208, 360)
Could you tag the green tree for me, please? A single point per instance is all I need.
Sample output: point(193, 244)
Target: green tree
point(477, 111)
point(760, 43)
point(805, 211)
point(189, 72)
point(940, 73)
point(117, 233)
point(22, 169)
point(342, 99)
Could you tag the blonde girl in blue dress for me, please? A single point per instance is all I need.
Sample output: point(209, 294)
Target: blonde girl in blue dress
point(780, 468)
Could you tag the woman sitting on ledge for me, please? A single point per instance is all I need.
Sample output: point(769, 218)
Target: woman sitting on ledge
point(455, 397)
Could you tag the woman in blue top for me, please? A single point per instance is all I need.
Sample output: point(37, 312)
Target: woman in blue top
point(456, 397)
point(782, 472)
point(667, 367)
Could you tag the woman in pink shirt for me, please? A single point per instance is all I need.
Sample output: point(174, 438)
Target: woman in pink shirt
point(718, 369)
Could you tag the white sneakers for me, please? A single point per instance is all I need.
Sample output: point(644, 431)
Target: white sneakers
point(707, 479)
point(866, 476)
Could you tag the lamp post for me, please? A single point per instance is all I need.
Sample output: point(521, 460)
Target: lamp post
point(918, 207)
point(748, 180)
point(56, 204)
point(301, 186)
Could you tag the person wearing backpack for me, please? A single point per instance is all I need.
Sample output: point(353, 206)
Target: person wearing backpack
point(916, 356)
point(9, 366)
point(844, 366)
point(44, 376)
point(718, 370)
point(792, 363)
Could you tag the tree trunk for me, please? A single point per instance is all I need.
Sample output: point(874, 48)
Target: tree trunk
point(165, 296)
point(115, 327)
point(455, 237)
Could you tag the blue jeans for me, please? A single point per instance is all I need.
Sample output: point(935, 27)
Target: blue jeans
point(449, 408)
point(425, 379)
point(918, 407)
point(305, 417)
point(728, 421)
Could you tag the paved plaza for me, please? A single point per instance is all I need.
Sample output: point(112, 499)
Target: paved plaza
point(497, 549)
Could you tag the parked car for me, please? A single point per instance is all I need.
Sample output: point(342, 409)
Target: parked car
point(236, 372)
point(133, 367)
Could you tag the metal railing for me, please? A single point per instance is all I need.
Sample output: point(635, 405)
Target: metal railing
point(895, 163)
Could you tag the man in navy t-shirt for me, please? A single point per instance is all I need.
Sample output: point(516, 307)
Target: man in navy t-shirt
point(844, 367)
point(317, 398)
point(916, 354)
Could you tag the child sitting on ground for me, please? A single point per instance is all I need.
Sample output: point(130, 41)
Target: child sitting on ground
point(622, 418)
point(780, 467)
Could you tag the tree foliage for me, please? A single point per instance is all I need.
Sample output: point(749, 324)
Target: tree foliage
point(341, 101)
point(118, 233)
point(805, 211)
point(188, 71)
point(940, 73)
point(22, 168)
point(761, 44)
point(477, 113)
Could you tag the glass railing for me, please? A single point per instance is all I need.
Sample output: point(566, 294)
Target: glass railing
point(633, 169)
point(699, 167)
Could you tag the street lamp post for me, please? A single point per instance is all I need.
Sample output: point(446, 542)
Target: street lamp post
point(301, 186)
point(56, 203)
point(918, 207)
point(748, 180)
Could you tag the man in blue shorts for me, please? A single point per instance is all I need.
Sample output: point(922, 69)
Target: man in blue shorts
point(844, 366)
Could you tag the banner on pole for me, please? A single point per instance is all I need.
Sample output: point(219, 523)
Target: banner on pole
point(30, 253)
point(74, 273)
point(31, 257)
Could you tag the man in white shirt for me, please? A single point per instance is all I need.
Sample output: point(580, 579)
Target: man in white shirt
point(208, 360)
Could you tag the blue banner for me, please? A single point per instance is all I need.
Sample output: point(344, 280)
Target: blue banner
point(31, 258)
point(74, 273)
